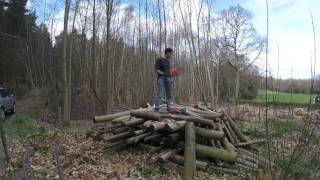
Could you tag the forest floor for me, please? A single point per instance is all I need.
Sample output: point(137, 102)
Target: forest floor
point(83, 158)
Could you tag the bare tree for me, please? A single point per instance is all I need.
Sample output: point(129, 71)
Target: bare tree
point(66, 99)
point(238, 35)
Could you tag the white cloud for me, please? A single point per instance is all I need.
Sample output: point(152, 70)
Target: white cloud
point(290, 27)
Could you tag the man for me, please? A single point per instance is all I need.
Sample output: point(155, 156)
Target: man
point(162, 68)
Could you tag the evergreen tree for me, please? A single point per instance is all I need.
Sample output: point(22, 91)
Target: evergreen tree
point(18, 18)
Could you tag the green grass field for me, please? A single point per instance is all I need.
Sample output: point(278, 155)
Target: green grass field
point(273, 96)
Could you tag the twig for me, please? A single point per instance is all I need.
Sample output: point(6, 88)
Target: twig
point(57, 160)
point(26, 165)
point(266, 95)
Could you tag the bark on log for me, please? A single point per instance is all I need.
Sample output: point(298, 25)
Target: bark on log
point(120, 130)
point(154, 126)
point(139, 138)
point(227, 125)
point(175, 126)
point(133, 121)
point(164, 157)
point(180, 160)
point(147, 123)
point(224, 141)
point(228, 135)
point(149, 148)
point(206, 113)
point(216, 153)
point(146, 115)
point(262, 161)
point(109, 117)
point(170, 139)
point(225, 170)
point(154, 136)
point(137, 132)
point(247, 163)
point(116, 143)
point(218, 144)
point(190, 113)
point(248, 169)
point(121, 119)
point(190, 119)
point(209, 133)
point(157, 117)
point(118, 136)
point(118, 147)
point(189, 152)
point(106, 129)
point(236, 130)
point(248, 158)
point(250, 142)
point(209, 116)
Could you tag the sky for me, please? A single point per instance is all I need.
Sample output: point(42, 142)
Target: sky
point(290, 30)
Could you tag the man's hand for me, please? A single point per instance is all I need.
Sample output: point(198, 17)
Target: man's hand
point(160, 72)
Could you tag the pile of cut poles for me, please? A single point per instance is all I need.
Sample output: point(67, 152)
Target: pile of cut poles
point(196, 137)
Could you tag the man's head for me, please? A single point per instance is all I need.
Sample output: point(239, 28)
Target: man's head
point(168, 53)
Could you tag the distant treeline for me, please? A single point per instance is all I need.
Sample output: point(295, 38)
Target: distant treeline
point(293, 85)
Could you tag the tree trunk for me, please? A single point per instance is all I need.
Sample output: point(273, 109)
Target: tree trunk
point(66, 108)
point(237, 86)
point(70, 56)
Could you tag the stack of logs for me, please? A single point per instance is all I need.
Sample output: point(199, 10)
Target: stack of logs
point(197, 138)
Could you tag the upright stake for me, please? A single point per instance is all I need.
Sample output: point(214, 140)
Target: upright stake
point(3, 139)
point(189, 152)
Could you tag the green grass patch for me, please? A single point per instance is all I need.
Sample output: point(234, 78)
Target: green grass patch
point(304, 162)
point(255, 130)
point(148, 171)
point(22, 126)
point(281, 127)
point(273, 96)
point(277, 127)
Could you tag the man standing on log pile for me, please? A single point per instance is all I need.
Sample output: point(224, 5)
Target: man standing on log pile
point(164, 74)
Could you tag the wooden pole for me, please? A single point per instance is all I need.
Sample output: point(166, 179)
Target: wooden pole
point(3, 139)
point(189, 152)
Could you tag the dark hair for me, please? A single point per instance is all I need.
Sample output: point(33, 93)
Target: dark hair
point(168, 50)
